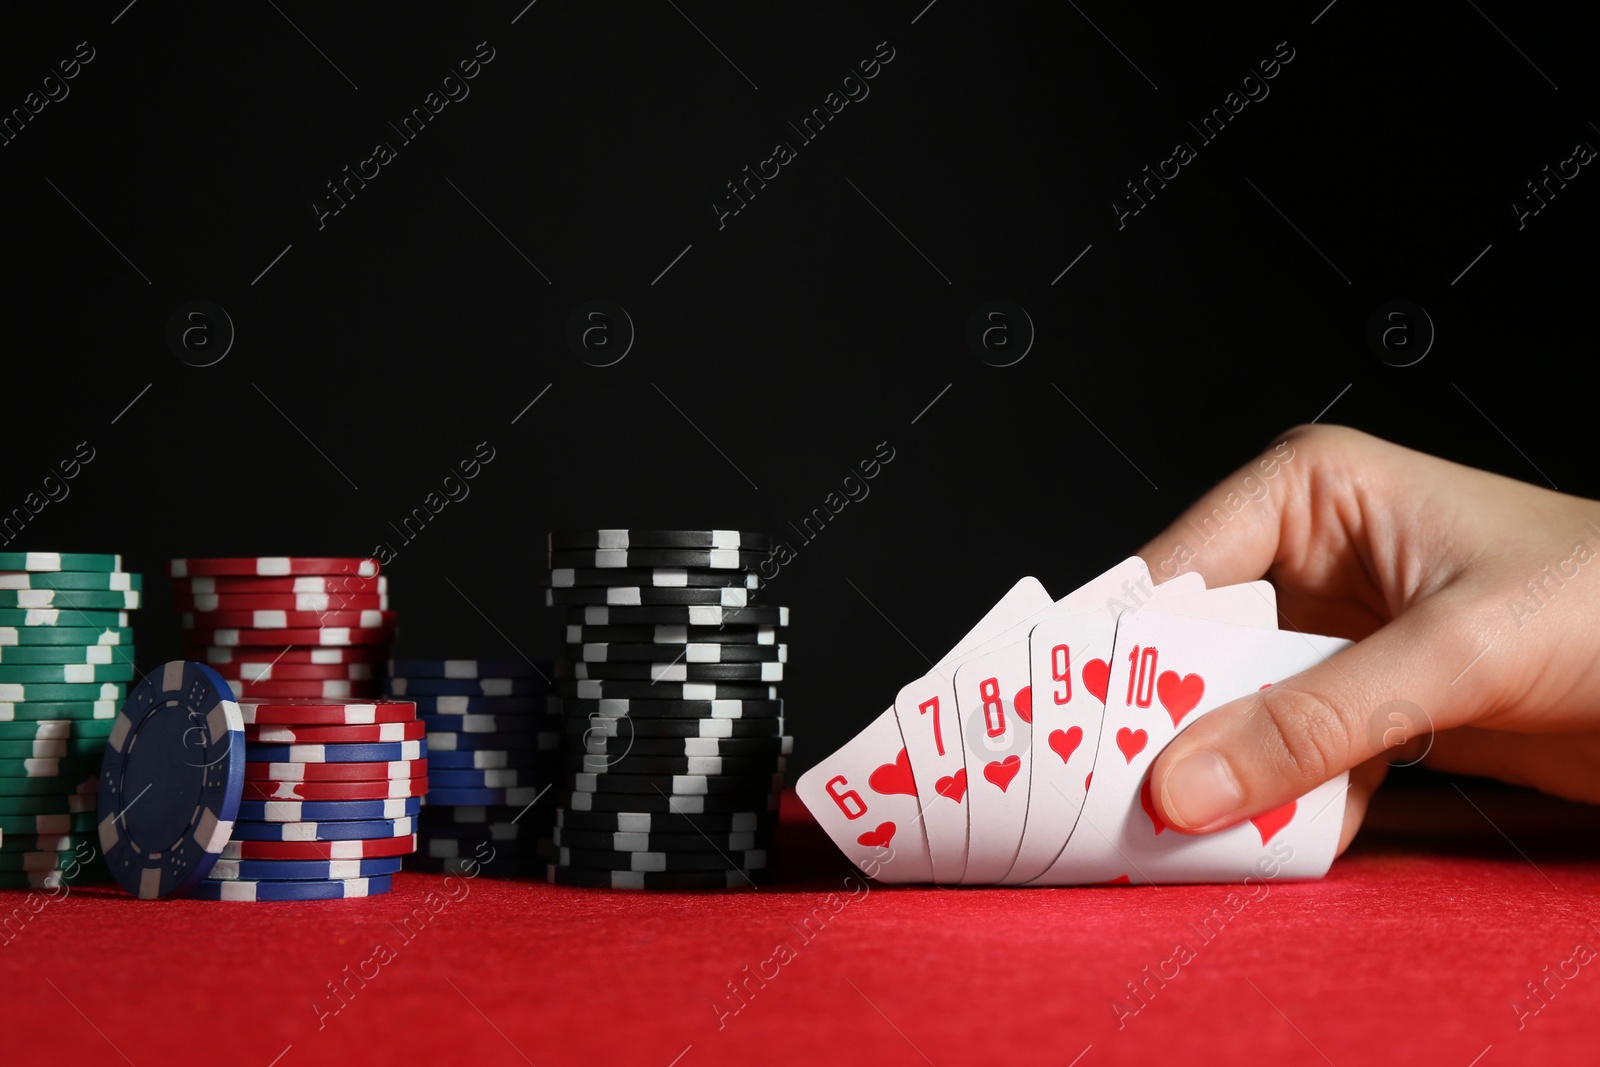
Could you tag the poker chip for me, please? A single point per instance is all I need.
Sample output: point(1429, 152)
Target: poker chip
point(315, 603)
point(287, 620)
point(65, 692)
point(323, 735)
point(272, 671)
point(66, 673)
point(674, 785)
point(330, 772)
point(615, 558)
point(323, 851)
point(171, 780)
point(76, 767)
point(480, 724)
point(441, 704)
point(599, 879)
point(623, 539)
point(350, 654)
point(37, 861)
point(272, 567)
point(374, 752)
point(673, 672)
point(483, 759)
point(657, 824)
point(684, 746)
point(637, 763)
point(666, 803)
point(326, 689)
point(70, 802)
point(302, 870)
point(348, 584)
point(402, 669)
point(656, 577)
point(617, 708)
point(65, 600)
point(662, 842)
point(472, 842)
point(310, 712)
point(58, 561)
point(519, 796)
point(375, 789)
point(606, 860)
point(14, 638)
point(350, 830)
point(636, 727)
point(46, 825)
point(322, 636)
point(483, 777)
point(56, 710)
point(578, 634)
point(710, 652)
point(64, 655)
point(649, 596)
point(309, 811)
point(467, 687)
point(14, 843)
point(97, 581)
point(682, 615)
point(474, 815)
point(263, 890)
point(52, 785)
point(592, 689)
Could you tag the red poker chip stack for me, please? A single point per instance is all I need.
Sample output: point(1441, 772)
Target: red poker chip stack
point(299, 627)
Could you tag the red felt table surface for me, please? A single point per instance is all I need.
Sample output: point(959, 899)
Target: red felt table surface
point(1413, 950)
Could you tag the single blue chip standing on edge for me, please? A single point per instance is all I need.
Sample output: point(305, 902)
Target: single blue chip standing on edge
point(171, 780)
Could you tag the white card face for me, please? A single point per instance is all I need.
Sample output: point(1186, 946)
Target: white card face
point(989, 692)
point(1168, 671)
point(897, 859)
point(865, 798)
point(927, 714)
point(1070, 668)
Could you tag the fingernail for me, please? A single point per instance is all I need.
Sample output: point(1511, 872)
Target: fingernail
point(1200, 790)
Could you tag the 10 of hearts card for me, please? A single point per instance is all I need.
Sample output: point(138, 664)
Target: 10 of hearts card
point(1022, 757)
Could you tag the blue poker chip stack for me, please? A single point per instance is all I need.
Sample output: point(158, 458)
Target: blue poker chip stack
point(492, 752)
point(673, 742)
point(66, 662)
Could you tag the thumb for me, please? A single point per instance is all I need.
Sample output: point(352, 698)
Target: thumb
point(1258, 753)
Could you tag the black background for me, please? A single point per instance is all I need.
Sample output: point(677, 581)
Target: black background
point(782, 348)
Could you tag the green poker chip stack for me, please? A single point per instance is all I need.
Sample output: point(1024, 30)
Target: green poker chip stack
point(66, 663)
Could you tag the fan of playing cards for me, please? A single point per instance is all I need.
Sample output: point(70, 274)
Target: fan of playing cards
point(1021, 758)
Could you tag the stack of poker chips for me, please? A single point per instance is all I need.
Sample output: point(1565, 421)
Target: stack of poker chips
point(491, 761)
point(287, 626)
point(66, 658)
point(330, 800)
point(673, 743)
point(274, 799)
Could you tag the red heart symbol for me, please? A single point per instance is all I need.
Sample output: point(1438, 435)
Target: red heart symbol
point(894, 777)
point(1000, 772)
point(953, 786)
point(1150, 808)
point(1270, 822)
point(878, 838)
point(1065, 742)
point(1023, 703)
point(1096, 676)
point(1131, 742)
point(1179, 695)
point(1120, 879)
point(1086, 780)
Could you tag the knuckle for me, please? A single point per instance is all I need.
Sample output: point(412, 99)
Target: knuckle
point(1309, 737)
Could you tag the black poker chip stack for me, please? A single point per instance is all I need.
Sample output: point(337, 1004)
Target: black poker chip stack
point(673, 746)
